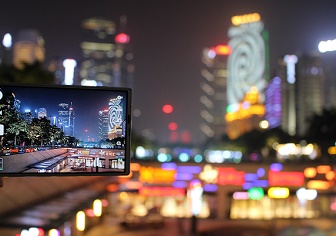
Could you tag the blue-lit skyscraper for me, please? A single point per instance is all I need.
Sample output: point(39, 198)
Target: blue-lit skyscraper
point(66, 119)
point(273, 103)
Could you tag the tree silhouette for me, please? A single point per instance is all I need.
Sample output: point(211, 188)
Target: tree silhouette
point(322, 130)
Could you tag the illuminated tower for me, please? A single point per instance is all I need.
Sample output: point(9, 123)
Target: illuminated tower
point(273, 103)
point(247, 73)
point(107, 59)
point(42, 112)
point(28, 48)
point(103, 125)
point(213, 86)
point(115, 118)
point(66, 119)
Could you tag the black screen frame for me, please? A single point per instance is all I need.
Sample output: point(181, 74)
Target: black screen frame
point(82, 92)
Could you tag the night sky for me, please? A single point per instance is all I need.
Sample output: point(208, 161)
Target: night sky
point(167, 39)
point(85, 108)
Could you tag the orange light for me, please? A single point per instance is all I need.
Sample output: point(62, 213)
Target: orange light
point(244, 19)
point(135, 166)
point(223, 50)
point(323, 169)
point(318, 184)
point(309, 172)
point(330, 175)
point(133, 185)
point(332, 150)
point(112, 188)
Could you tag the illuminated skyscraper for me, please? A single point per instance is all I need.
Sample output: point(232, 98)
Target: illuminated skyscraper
point(66, 119)
point(28, 48)
point(107, 58)
point(41, 113)
point(213, 87)
point(115, 118)
point(302, 80)
point(103, 125)
point(273, 103)
point(247, 74)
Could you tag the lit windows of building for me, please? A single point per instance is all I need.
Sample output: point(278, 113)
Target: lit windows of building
point(28, 48)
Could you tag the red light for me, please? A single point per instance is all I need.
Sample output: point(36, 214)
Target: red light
point(167, 109)
point(174, 137)
point(122, 38)
point(223, 50)
point(172, 126)
point(285, 178)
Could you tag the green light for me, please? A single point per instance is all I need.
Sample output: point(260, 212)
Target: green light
point(255, 193)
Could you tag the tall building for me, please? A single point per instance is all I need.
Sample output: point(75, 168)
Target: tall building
point(213, 87)
point(66, 119)
point(302, 80)
point(28, 48)
point(247, 74)
point(107, 56)
point(273, 103)
point(103, 125)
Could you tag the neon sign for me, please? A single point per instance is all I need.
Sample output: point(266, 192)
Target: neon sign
point(244, 19)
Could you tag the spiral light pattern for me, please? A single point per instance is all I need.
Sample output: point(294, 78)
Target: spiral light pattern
point(246, 63)
point(115, 113)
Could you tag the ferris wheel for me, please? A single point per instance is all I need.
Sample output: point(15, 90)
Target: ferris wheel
point(246, 63)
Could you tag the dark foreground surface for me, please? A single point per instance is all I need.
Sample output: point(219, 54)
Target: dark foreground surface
point(207, 227)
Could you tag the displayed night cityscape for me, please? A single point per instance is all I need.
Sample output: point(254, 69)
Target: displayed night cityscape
point(78, 106)
point(233, 118)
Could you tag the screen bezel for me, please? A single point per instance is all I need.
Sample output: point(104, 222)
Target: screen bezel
point(126, 91)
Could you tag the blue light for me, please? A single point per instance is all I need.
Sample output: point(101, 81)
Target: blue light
point(184, 176)
point(179, 184)
point(210, 188)
point(169, 166)
point(184, 157)
point(250, 177)
point(189, 169)
point(276, 167)
point(261, 183)
point(261, 172)
point(247, 185)
point(162, 157)
point(198, 158)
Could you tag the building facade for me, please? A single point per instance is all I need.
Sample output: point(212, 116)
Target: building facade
point(213, 87)
point(302, 91)
point(28, 48)
point(107, 57)
point(247, 74)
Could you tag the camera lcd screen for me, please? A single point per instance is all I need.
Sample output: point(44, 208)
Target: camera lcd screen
point(64, 130)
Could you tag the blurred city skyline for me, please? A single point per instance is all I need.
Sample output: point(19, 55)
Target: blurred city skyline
point(167, 40)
